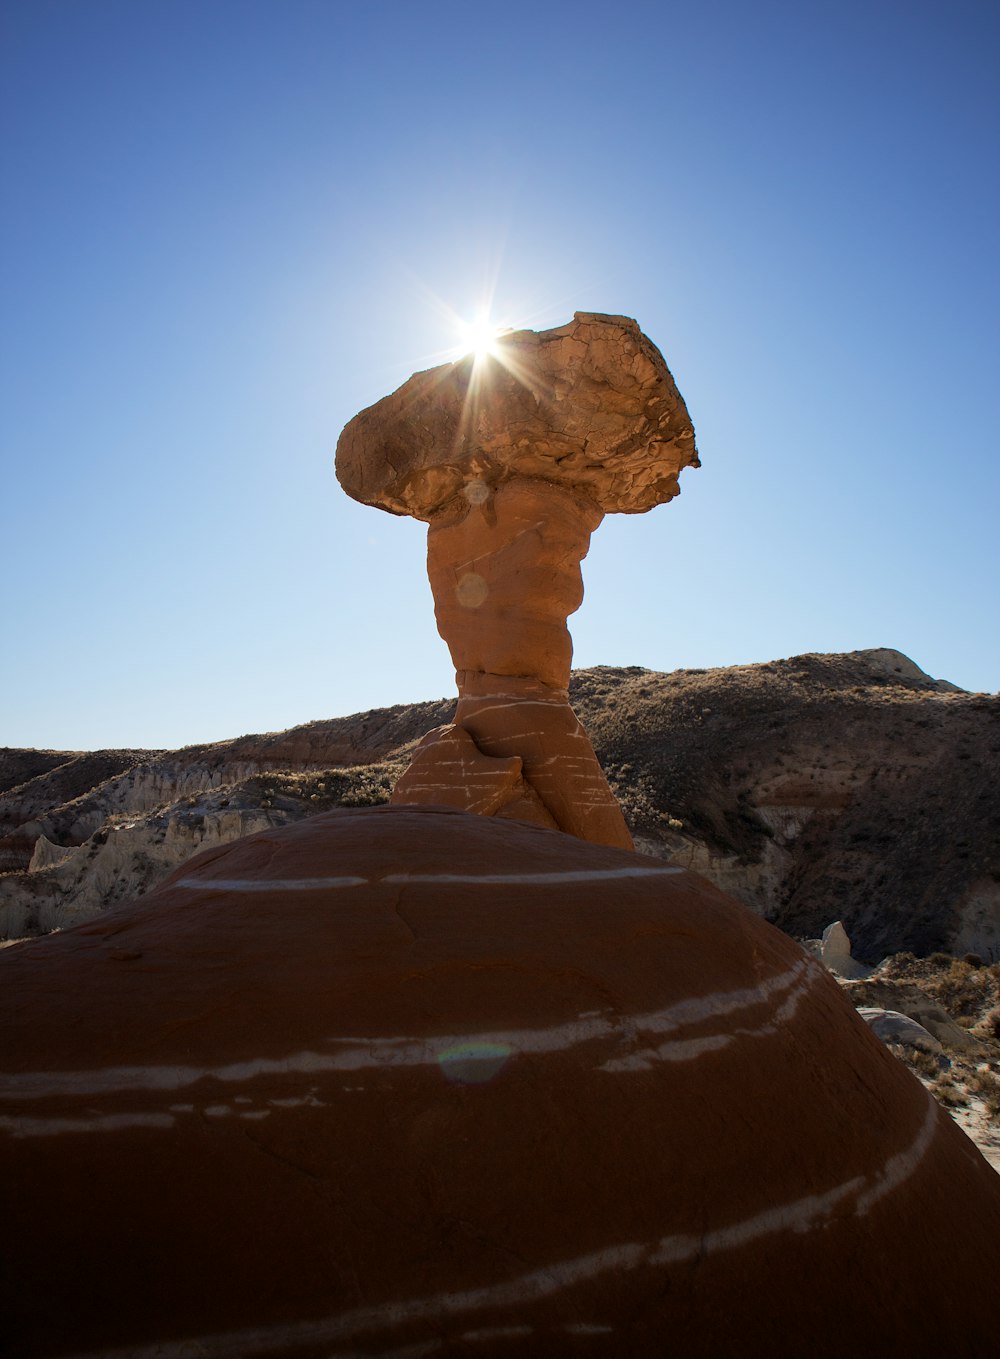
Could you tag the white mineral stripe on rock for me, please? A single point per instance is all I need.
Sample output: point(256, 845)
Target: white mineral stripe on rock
point(697, 1009)
point(399, 879)
point(114, 1080)
point(900, 1167)
point(267, 885)
point(532, 1287)
point(686, 1050)
point(406, 1352)
point(54, 1127)
point(499, 1333)
point(801, 1215)
point(364, 1053)
point(466, 764)
point(530, 879)
point(530, 733)
point(498, 701)
point(674, 1050)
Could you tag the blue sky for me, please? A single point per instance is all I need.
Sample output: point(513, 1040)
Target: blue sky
point(227, 227)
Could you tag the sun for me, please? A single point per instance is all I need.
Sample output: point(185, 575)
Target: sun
point(479, 337)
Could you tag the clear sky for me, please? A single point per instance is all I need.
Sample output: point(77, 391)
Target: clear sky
point(228, 225)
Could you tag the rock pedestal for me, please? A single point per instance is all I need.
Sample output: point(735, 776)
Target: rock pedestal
point(505, 574)
point(514, 461)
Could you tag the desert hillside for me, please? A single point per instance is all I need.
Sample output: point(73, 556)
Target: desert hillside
point(818, 788)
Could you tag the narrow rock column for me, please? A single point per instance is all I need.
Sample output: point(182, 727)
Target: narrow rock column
point(505, 574)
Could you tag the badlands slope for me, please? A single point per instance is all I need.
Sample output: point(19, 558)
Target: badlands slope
point(819, 788)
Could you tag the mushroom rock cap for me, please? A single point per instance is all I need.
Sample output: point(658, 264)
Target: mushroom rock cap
point(413, 1081)
point(590, 405)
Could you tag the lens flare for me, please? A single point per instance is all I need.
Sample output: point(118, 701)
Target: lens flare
point(473, 1062)
point(479, 337)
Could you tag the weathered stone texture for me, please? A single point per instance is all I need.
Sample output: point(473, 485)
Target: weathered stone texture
point(591, 404)
point(506, 575)
point(514, 459)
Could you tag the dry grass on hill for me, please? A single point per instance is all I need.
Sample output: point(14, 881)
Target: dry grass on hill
point(968, 992)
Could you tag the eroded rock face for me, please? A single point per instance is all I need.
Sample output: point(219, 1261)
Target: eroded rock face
point(411, 1079)
point(591, 404)
point(812, 789)
point(514, 460)
point(505, 575)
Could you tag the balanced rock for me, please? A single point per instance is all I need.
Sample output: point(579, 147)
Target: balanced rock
point(416, 1082)
point(591, 405)
point(513, 459)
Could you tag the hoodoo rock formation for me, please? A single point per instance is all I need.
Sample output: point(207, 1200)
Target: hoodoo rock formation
point(514, 459)
point(409, 1081)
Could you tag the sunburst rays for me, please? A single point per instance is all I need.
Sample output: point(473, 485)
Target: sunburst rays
point(481, 359)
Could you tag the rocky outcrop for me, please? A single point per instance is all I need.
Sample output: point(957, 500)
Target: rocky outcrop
point(835, 953)
point(892, 997)
point(815, 789)
point(62, 779)
point(133, 851)
point(957, 1002)
point(405, 1073)
point(899, 1030)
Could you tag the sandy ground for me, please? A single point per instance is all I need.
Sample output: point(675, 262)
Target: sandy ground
point(974, 1120)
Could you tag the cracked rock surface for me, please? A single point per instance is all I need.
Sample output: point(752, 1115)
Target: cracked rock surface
point(590, 405)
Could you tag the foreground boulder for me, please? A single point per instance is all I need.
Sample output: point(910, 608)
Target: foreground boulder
point(414, 1081)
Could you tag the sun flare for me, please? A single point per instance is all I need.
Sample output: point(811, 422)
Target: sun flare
point(479, 337)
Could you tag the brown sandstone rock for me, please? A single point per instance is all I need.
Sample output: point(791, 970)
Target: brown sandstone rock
point(506, 575)
point(514, 460)
point(590, 404)
point(449, 770)
point(406, 1081)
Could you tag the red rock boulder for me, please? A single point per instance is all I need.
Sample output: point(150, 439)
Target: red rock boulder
point(412, 1082)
